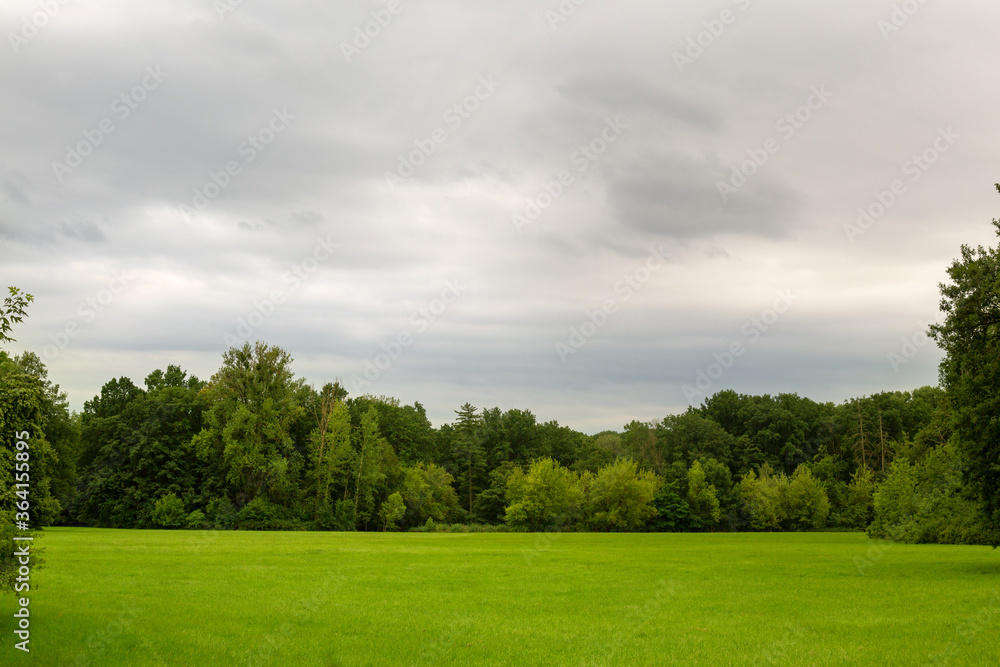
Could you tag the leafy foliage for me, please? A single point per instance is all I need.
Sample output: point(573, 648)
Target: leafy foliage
point(970, 371)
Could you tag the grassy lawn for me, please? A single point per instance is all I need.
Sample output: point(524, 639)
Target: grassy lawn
point(117, 597)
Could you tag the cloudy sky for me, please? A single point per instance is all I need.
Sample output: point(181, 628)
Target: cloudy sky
point(576, 208)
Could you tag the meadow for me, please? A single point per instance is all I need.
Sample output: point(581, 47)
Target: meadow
point(138, 597)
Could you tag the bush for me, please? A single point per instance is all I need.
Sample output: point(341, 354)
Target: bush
point(221, 513)
point(548, 496)
point(805, 502)
point(195, 520)
point(620, 497)
point(927, 503)
point(259, 514)
point(776, 502)
point(671, 510)
point(168, 512)
point(460, 528)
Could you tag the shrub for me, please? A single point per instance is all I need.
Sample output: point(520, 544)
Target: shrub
point(259, 514)
point(168, 512)
point(221, 513)
point(927, 503)
point(620, 497)
point(195, 520)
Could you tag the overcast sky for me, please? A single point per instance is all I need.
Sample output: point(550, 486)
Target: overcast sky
point(469, 183)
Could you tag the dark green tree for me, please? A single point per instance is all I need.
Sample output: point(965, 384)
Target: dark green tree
point(970, 371)
point(252, 407)
point(467, 447)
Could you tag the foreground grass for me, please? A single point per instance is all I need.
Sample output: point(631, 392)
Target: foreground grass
point(114, 597)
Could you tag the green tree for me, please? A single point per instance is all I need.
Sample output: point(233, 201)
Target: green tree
point(620, 497)
point(806, 505)
point(330, 447)
point(672, 510)
point(428, 494)
point(169, 512)
point(61, 428)
point(21, 417)
point(137, 446)
point(392, 510)
point(13, 311)
point(927, 502)
point(970, 371)
point(252, 407)
point(859, 506)
point(491, 504)
point(761, 498)
point(467, 446)
point(369, 472)
point(547, 497)
point(702, 499)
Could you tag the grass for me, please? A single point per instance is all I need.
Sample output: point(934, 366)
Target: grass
point(116, 597)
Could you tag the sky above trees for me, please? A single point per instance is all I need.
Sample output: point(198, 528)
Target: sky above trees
point(432, 209)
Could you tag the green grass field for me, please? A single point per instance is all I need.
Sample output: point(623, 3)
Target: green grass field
point(116, 597)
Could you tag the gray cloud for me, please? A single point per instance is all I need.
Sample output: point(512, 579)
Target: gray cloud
point(130, 203)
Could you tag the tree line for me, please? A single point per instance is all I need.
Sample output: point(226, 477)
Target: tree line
point(255, 447)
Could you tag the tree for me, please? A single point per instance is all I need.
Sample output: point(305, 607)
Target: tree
point(926, 502)
point(168, 512)
point(970, 371)
point(547, 497)
point(61, 428)
point(671, 510)
point(392, 510)
point(13, 312)
point(761, 498)
point(806, 505)
point(467, 446)
point(330, 446)
point(620, 497)
point(137, 447)
point(702, 499)
point(21, 398)
point(491, 504)
point(428, 494)
point(369, 470)
point(252, 407)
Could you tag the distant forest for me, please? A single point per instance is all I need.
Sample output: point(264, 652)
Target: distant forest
point(256, 448)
